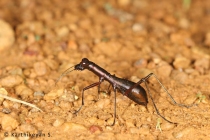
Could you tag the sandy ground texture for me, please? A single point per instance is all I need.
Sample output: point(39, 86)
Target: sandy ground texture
point(40, 39)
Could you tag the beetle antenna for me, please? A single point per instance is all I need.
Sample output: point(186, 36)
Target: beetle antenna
point(65, 73)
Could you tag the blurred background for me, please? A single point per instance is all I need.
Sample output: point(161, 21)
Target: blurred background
point(39, 39)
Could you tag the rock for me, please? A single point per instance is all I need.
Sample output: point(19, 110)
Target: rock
point(58, 122)
point(207, 39)
point(164, 70)
point(184, 23)
point(167, 126)
point(95, 128)
point(4, 92)
point(10, 138)
point(8, 123)
point(54, 94)
point(202, 63)
point(181, 62)
point(27, 128)
point(130, 123)
point(190, 99)
point(52, 64)
point(72, 45)
point(106, 136)
point(11, 80)
point(102, 103)
point(141, 63)
point(123, 2)
point(65, 105)
point(182, 132)
point(23, 91)
point(134, 130)
point(63, 31)
point(102, 48)
point(137, 27)
point(92, 120)
point(7, 37)
point(179, 76)
point(69, 126)
point(142, 131)
point(40, 68)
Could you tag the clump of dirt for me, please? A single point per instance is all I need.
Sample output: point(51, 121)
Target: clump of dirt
point(128, 38)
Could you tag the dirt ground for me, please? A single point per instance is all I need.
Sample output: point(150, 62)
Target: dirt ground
point(40, 39)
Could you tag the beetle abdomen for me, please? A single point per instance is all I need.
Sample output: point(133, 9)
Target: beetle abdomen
point(138, 94)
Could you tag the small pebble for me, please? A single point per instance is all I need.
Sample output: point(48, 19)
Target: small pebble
point(7, 36)
point(15, 70)
point(110, 121)
point(84, 47)
point(90, 97)
point(100, 122)
point(149, 119)
point(95, 128)
point(57, 109)
point(101, 47)
point(130, 123)
point(11, 80)
point(7, 104)
point(51, 64)
point(31, 39)
point(179, 76)
point(8, 123)
point(123, 2)
point(10, 138)
point(39, 124)
point(137, 27)
point(164, 71)
point(6, 110)
point(109, 128)
point(202, 63)
point(181, 62)
point(207, 39)
point(27, 128)
point(62, 31)
point(73, 27)
point(72, 45)
point(184, 23)
point(143, 72)
point(58, 122)
point(167, 126)
point(84, 23)
point(49, 106)
point(146, 126)
point(142, 131)
point(141, 63)
point(65, 105)
point(182, 132)
point(69, 126)
point(38, 93)
point(4, 92)
point(134, 130)
point(92, 120)
point(142, 108)
point(69, 95)
point(102, 103)
point(106, 136)
point(23, 91)
point(54, 94)
point(40, 68)
point(190, 99)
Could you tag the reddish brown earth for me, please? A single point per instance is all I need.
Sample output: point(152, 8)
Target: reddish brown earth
point(129, 38)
